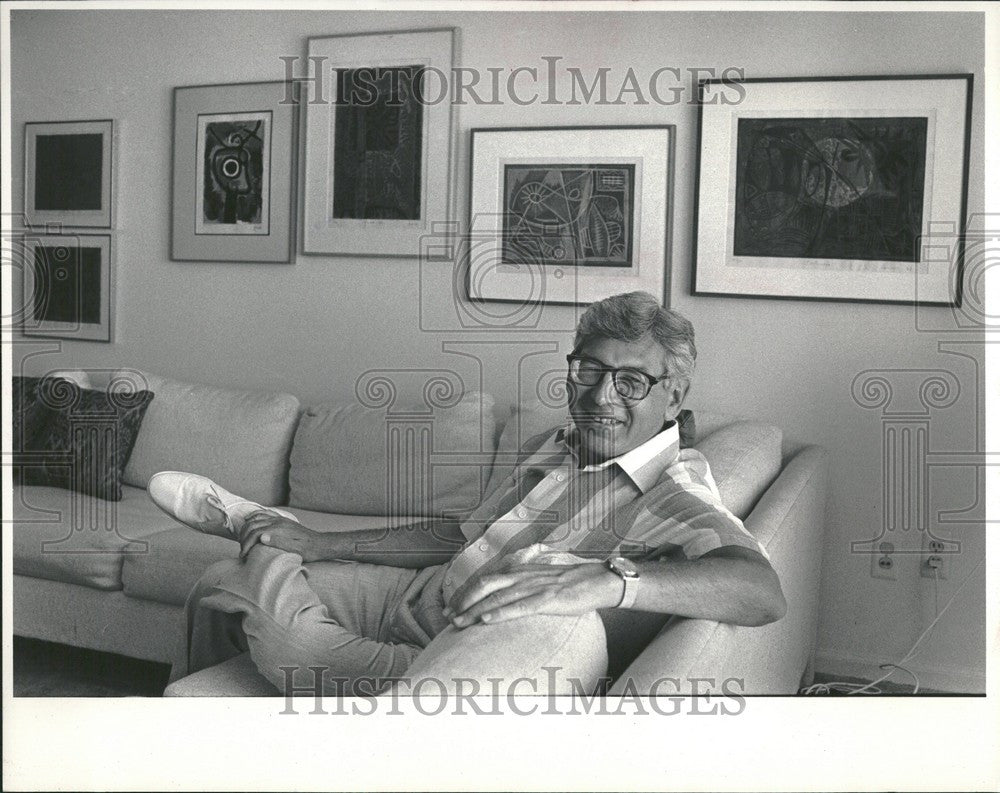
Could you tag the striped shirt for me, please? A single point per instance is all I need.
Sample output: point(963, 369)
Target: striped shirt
point(655, 501)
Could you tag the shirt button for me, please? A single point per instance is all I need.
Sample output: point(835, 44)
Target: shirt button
point(484, 547)
point(521, 513)
point(559, 477)
point(447, 580)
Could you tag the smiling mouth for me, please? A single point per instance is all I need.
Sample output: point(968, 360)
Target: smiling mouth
point(603, 421)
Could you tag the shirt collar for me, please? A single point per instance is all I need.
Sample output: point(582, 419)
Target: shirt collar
point(644, 464)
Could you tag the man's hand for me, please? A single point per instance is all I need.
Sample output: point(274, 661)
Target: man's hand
point(273, 530)
point(538, 589)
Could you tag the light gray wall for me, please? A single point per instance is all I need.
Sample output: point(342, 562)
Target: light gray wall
point(314, 326)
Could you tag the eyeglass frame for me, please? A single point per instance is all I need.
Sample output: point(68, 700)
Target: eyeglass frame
point(574, 356)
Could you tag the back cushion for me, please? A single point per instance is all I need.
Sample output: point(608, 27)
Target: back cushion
point(745, 457)
point(521, 424)
point(440, 460)
point(240, 439)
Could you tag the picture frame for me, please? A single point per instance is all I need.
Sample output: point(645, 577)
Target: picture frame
point(68, 286)
point(68, 173)
point(235, 149)
point(378, 138)
point(823, 188)
point(570, 215)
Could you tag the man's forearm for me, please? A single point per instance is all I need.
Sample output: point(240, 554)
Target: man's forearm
point(740, 591)
point(414, 545)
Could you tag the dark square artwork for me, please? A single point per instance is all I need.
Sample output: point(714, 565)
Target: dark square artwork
point(234, 171)
point(830, 188)
point(67, 284)
point(579, 215)
point(378, 143)
point(68, 172)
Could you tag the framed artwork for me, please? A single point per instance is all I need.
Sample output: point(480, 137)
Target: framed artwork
point(68, 173)
point(569, 214)
point(68, 286)
point(377, 143)
point(823, 188)
point(234, 171)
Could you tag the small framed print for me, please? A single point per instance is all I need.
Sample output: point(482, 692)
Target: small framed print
point(823, 188)
point(377, 143)
point(68, 173)
point(234, 168)
point(569, 214)
point(68, 286)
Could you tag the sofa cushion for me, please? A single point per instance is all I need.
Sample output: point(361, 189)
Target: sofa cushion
point(440, 460)
point(66, 536)
point(709, 422)
point(177, 557)
point(173, 563)
point(238, 438)
point(237, 677)
point(86, 439)
point(744, 457)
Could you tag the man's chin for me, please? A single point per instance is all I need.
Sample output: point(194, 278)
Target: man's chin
point(599, 442)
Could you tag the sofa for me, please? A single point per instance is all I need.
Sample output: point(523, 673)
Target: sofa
point(114, 575)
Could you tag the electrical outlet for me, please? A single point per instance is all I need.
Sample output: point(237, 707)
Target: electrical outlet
point(934, 559)
point(884, 561)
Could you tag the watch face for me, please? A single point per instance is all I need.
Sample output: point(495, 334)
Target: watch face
point(625, 567)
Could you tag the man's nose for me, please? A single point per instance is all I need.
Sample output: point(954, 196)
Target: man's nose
point(603, 392)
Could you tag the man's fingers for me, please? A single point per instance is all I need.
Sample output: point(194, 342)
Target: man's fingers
point(492, 602)
point(519, 608)
point(486, 586)
point(247, 541)
point(532, 567)
point(257, 519)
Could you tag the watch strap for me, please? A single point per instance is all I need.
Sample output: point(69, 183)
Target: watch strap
point(630, 594)
point(630, 579)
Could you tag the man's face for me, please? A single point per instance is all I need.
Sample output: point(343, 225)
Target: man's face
point(610, 425)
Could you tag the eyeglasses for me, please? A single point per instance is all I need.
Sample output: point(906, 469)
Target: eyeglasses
point(632, 385)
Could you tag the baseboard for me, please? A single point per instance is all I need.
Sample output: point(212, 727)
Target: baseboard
point(957, 681)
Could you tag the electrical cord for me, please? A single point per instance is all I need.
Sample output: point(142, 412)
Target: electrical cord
point(842, 687)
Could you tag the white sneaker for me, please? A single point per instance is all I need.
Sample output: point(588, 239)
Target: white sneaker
point(200, 503)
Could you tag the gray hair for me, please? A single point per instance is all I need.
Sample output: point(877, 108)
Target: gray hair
point(636, 315)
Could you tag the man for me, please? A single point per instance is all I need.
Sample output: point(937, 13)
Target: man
point(517, 585)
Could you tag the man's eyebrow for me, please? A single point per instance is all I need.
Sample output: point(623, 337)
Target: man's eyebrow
point(609, 367)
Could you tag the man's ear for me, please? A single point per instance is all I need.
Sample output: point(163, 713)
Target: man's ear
point(676, 391)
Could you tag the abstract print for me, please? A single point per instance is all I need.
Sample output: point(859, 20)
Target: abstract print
point(378, 144)
point(830, 188)
point(568, 214)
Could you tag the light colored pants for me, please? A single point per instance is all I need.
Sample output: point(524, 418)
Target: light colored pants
point(352, 624)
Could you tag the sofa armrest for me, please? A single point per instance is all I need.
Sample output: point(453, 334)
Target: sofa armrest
point(788, 520)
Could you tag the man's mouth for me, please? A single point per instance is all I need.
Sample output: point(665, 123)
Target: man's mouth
point(604, 421)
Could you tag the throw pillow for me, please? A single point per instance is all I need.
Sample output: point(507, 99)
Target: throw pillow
point(85, 439)
point(686, 428)
point(29, 417)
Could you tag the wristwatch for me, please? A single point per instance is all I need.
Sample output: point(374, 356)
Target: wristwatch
point(629, 573)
